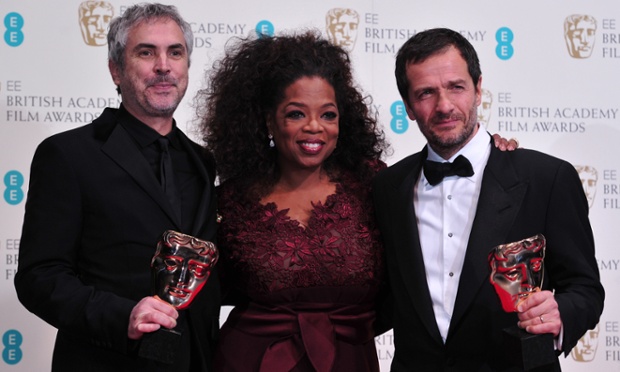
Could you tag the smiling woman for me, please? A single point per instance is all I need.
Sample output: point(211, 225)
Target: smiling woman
point(305, 125)
point(296, 147)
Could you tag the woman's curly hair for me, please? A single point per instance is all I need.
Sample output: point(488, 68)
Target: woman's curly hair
point(247, 85)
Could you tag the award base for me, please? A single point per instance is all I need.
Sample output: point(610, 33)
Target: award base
point(161, 345)
point(528, 351)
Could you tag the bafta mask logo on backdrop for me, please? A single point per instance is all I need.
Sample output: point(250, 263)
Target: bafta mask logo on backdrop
point(585, 350)
point(588, 176)
point(580, 33)
point(341, 26)
point(95, 17)
point(484, 110)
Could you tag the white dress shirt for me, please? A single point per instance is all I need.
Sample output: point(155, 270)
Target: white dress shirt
point(445, 214)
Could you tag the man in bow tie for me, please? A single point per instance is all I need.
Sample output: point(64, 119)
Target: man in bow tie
point(439, 222)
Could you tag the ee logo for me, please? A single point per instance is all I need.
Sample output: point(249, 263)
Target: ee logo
point(399, 123)
point(504, 38)
point(13, 194)
point(13, 35)
point(264, 29)
point(11, 351)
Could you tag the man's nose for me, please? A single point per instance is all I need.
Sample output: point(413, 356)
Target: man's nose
point(444, 103)
point(162, 64)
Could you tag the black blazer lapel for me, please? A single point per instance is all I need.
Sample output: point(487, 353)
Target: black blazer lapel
point(409, 254)
point(501, 196)
point(121, 148)
point(206, 198)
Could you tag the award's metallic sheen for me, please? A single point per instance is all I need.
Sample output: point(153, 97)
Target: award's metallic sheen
point(179, 269)
point(517, 270)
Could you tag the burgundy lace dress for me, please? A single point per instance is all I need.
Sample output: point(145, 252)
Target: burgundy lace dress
point(307, 294)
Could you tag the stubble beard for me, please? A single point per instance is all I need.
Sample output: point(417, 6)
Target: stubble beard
point(163, 109)
point(149, 102)
point(160, 110)
point(454, 143)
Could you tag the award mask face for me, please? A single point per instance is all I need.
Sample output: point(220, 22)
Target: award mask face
point(585, 350)
point(341, 26)
point(517, 270)
point(580, 35)
point(95, 17)
point(181, 267)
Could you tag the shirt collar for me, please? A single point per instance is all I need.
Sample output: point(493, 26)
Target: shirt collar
point(477, 151)
point(142, 133)
point(474, 150)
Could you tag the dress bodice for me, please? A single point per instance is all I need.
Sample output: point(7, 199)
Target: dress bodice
point(265, 251)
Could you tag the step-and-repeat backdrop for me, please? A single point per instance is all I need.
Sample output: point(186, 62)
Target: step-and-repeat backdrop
point(550, 77)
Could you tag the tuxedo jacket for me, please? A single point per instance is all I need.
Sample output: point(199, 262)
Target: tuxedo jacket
point(94, 214)
point(523, 193)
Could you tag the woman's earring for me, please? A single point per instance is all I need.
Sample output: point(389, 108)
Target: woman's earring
point(271, 143)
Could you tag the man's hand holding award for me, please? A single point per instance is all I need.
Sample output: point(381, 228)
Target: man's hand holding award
point(179, 269)
point(517, 271)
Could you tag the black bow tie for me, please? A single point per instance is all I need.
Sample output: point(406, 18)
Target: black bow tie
point(435, 171)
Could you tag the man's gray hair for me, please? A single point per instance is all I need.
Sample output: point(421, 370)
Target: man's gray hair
point(135, 14)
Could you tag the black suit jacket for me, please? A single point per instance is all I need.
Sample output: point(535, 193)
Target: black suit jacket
point(523, 193)
point(94, 213)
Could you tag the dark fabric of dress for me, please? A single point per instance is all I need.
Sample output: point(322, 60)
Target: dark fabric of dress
point(304, 296)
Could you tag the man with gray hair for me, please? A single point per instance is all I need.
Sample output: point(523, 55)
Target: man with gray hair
point(101, 195)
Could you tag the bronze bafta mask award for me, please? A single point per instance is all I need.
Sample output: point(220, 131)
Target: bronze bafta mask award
point(179, 269)
point(517, 271)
